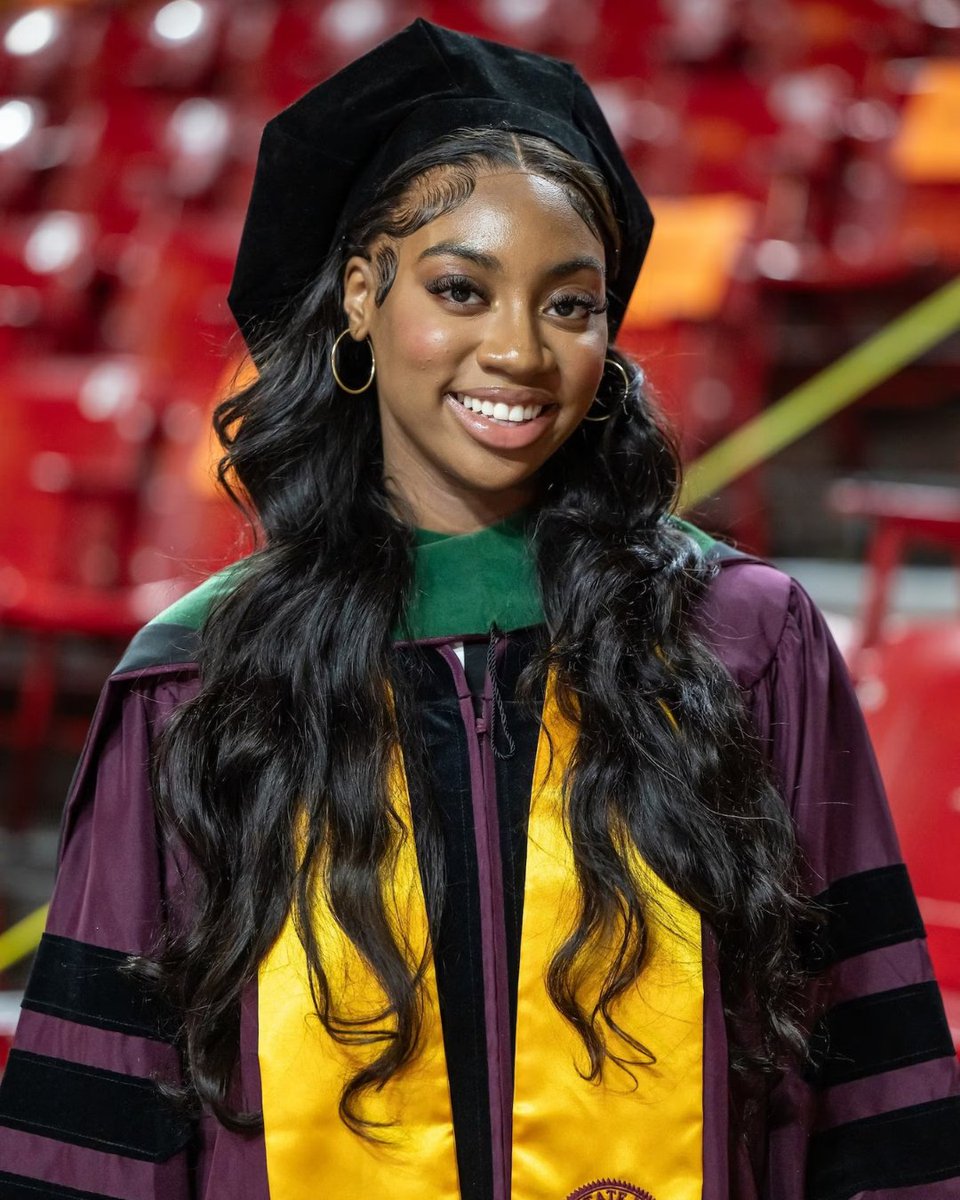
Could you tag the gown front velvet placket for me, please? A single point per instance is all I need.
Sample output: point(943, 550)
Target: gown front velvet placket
point(486, 827)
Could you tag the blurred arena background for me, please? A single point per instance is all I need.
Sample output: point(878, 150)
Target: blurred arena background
point(803, 159)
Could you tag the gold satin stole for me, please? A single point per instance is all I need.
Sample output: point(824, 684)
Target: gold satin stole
point(570, 1137)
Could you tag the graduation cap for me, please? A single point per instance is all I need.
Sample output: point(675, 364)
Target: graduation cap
point(323, 158)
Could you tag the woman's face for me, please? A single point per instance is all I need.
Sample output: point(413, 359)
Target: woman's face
point(489, 347)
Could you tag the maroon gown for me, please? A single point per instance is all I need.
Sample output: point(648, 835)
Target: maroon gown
point(875, 1117)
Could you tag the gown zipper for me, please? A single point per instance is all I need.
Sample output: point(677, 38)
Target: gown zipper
point(496, 1005)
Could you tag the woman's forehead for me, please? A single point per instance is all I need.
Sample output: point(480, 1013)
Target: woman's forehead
point(510, 212)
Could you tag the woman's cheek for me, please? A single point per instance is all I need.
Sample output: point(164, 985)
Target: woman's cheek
point(430, 348)
point(422, 338)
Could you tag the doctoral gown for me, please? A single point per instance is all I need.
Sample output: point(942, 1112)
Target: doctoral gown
point(502, 1105)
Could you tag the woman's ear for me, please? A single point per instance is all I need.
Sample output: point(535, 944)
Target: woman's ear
point(359, 295)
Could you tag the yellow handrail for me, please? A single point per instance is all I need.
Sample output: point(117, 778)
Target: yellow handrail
point(840, 384)
point(23, 938)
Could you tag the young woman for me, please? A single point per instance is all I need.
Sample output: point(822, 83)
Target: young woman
point(506, 836)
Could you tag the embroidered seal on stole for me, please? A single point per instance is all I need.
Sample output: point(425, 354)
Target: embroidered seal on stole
point(609, 1189)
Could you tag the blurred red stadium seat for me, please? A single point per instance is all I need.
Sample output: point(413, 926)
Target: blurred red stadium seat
point(909, 690)
point(645, 115)
point(173, 310)
point(627, 42)
point(24, 151)
point(47, 265)
point(78, 432)
point(908, 681)
point(151, 153)
point(111, 526)
point(44, 50)
point(924, 161)
point(856, 36)
point(310, 39)
point(174, 45)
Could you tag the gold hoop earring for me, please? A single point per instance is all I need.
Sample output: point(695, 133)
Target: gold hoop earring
point(336, 374)
point(626, 387)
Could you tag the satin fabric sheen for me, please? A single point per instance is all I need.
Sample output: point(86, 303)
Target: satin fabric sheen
point(310, 1152)
point(567, 1131)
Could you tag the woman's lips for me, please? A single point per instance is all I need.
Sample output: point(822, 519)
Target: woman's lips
point(498, 434)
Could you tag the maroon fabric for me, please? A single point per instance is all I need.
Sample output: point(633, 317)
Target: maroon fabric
point(116, 880)
point(777, 646)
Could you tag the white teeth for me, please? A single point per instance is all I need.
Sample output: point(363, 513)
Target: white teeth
point(500, 411)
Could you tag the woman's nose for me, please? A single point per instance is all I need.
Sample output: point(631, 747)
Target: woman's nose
point(513, 342)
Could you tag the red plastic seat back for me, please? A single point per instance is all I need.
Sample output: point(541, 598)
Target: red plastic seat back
point(47, 268)
point(44, 50)
point(78, 434)
point(145, 153)
point(174, 314)
point(173, 45)
point(909, 687)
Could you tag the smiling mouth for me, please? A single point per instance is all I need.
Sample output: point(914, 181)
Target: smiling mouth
point(499, 411)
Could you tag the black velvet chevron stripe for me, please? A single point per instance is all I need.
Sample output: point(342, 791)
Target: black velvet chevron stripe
point(19, 1187)
point(83, 983)
point(903, 1148)
point(880, 1032)
point(87, 1106)
point(161, 643)
point(864, 912)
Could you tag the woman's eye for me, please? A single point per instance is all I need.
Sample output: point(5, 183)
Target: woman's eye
point(460, 291)
point(575, 306)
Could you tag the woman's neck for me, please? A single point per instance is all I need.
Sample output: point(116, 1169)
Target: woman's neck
point(442, 506)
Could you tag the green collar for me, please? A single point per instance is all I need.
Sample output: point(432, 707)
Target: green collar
point(465, 583)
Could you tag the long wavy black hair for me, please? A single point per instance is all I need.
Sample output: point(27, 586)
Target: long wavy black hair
point(274, 776)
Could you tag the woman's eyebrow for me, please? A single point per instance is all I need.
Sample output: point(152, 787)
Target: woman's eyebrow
point(491, 263)
point(585, 262)
point(461, 250)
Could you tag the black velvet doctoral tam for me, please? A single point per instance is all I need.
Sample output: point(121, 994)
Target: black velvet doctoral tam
point(324, 156)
